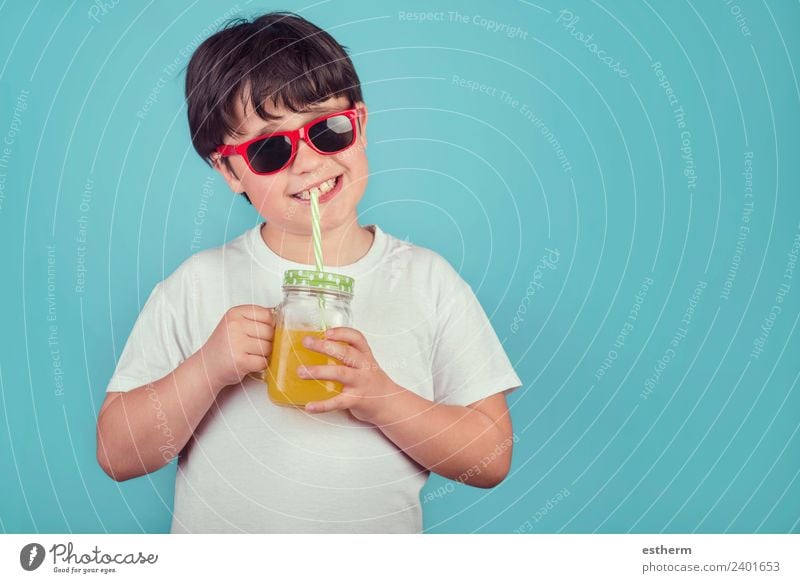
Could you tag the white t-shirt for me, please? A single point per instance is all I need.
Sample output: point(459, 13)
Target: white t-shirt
point(252, 466)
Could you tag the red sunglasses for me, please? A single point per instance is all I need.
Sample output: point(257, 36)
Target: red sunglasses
point(271, 153)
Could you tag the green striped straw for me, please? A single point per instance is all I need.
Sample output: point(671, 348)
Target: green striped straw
point(317, 235)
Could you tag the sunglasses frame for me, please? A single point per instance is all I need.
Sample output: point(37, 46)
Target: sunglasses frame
point(294, 136)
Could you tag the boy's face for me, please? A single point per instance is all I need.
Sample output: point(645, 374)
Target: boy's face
point(271, 194)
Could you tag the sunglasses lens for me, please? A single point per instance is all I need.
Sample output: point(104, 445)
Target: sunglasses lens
point(333, 134)
point(270, 154)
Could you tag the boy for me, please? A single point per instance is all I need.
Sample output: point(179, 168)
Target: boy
point(425, 374)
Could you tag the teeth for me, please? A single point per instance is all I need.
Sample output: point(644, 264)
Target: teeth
point(327, 185)
point(318, 190)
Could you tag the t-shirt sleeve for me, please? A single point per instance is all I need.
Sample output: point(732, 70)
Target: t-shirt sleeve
point(153, 348)
point(469, 362)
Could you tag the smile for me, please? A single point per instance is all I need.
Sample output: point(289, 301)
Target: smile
point(325, 190)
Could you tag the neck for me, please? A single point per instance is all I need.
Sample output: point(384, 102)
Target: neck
point(343, 245)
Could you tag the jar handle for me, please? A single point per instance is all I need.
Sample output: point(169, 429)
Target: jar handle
point(259, 376)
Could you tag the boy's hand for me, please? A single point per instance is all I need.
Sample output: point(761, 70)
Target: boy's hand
point(240, 344)
point(366, 390)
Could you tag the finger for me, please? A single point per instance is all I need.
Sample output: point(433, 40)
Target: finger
point(351, 336)
point(338, 403)
point(327, 372)
point(259, 330)
point(257, 313)
point(342, 352)
point(258, 347)
point(255, 363)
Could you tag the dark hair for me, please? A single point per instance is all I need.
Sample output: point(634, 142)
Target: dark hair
point(278, 56)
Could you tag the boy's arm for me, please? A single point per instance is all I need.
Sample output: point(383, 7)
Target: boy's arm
point(471, 444)
point(141, 430)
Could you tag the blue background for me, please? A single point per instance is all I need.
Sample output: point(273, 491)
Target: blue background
point(588, 162)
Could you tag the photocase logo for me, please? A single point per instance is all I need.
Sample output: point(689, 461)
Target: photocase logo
point(31, 556)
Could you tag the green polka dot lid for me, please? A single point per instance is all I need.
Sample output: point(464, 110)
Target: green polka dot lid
point(319, 280)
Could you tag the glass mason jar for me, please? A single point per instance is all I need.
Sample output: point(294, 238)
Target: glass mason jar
point(312, 302)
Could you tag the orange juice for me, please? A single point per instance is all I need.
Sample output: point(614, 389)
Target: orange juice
point(284, 387)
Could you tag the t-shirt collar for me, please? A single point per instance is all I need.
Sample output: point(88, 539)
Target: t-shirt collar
point(266, 258)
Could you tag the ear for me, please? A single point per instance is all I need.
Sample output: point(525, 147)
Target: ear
point(362, 120)
point(226, 169)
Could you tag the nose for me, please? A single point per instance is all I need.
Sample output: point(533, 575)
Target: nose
point(306, 159)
